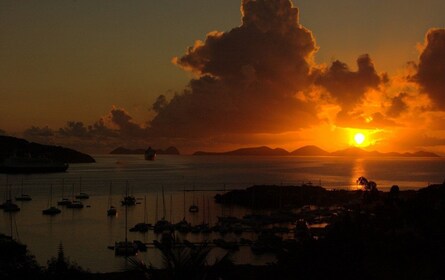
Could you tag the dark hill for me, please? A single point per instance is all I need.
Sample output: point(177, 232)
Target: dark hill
point(309, 151)
point(11, 145)
point(312, 150)
point(256, 151)
point(354, 151)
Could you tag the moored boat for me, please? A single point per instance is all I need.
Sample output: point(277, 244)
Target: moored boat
point(150, 154)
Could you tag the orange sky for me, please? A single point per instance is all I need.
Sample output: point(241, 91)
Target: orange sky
point(202, 76)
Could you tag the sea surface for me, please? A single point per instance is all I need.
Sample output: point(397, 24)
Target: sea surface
point(166, 188)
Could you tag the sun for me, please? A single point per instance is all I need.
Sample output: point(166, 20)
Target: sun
point(359, 138)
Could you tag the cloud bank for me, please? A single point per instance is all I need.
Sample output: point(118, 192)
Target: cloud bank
point(259, 81)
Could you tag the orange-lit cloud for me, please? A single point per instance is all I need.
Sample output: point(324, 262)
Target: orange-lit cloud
point(431, 67)
point(258, 84)
point(248, 78)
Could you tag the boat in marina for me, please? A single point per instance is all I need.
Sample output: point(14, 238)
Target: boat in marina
point(9, 206)
point(25, 165)
point(23, 196)
point(144, 226)
point(51, 210)
point(150, 154)
point(112, 211)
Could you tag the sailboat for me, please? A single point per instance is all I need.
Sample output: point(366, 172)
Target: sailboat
point(75, 204)
point(112, 211)
point(64, 201)
point(8, 205)
point(193, 208)
point(81, 194)
point(128, 200)
point(144, 226)
point(52, 210)
point(125, 248)
point(23, 197)
point(162, 224)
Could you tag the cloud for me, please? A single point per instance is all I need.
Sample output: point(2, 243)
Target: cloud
point(43, 135)
point(398, 105)
point(35, 131)
point(126, 127)
point(349, 87)
point(431, 67)
point(79, 130)
point(247, 78)
point(74, 129)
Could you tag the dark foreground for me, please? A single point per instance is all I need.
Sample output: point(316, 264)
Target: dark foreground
point(378, 235)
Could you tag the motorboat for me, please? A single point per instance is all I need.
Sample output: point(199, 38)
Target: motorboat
point(150, 154)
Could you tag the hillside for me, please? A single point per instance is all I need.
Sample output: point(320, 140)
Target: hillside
point(11, 145)
point(256, 151)
point(314, 151)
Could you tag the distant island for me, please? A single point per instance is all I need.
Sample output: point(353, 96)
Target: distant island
point(10, 146)
point(124, 151)
point(314, 151)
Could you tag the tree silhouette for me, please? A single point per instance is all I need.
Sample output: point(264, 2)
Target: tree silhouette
point(370, 187)
point(183, 261)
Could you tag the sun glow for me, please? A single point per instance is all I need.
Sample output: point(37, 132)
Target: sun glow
point(359, 138)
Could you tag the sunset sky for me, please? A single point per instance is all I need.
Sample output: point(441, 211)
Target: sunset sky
point(223, 74)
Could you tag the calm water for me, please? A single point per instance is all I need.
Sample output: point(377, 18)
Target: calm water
point(86, 233)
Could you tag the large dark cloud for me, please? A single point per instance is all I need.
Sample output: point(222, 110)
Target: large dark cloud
point(349, 87)
point(37, 132)
point(248, 78)
point(398, 105)
point(431, 68)
point(126, 126)
point(78, 129)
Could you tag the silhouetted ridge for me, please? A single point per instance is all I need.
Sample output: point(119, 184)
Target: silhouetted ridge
point(310, 151)
point(256, 151)
point(10, 146)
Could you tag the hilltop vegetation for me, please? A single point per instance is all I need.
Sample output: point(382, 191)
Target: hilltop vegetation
point(10, 146)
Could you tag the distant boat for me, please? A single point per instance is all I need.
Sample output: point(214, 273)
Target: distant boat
point(17, 165)
point(193, 208)
point(64, 201)
point(144, 226)
point(9, 206)
point(112, 211)
point(150, 154)
point(51, 210)
point(75, 204)
point(81, 194)
point(22, 196)
point(128, 200)
point(125, 248)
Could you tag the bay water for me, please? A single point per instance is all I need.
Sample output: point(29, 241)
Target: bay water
point(166, 188)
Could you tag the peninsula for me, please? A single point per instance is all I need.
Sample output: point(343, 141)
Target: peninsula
point(10, 146)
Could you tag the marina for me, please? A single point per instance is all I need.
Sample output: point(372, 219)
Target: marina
point(162, 191)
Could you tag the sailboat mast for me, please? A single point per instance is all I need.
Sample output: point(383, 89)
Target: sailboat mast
point(171, 206)
point(126, 216)
point(156, 212)
point(163, 204)
point(184, 202)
